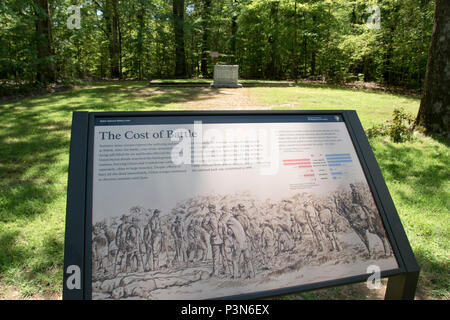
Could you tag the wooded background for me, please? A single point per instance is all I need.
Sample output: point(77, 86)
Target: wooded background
point(147, 39)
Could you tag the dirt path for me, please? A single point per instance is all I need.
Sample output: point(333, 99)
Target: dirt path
point(226, 99)
point(204, 98)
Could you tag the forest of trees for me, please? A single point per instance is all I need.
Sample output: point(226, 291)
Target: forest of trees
point(40, 41)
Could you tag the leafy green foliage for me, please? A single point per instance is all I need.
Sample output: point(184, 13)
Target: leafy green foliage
point(267, 38)
point(399, 129)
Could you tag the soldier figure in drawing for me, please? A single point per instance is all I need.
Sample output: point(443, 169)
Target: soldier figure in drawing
point(295, 230)
point(374, 222)
point(134, 245)
point(197, 247)
point(299, 222)
point(359, 222)
point(358, 199)
point(156, 238)
point(148, 247)
point(121, 243)
point(225, 216)
point(112, 248)
point(177, 231)
point(268, 245)
point(315, 225)
point(100, 249)
point(200, 239)
point(239, 248)
point(284, 240)
point(328, 222)
point(240, 213)
point(211, 223)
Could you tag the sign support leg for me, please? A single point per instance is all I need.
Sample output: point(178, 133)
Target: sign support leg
point(402, 286)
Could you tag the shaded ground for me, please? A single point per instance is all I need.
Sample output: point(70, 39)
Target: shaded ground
point(209, 98)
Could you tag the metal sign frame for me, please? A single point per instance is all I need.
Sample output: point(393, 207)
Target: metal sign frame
point(402, 282)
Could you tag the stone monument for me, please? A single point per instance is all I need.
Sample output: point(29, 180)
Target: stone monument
point(226, 76)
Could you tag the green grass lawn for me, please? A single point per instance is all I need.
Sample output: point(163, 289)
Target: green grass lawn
point(34, 147)
point(372, 107)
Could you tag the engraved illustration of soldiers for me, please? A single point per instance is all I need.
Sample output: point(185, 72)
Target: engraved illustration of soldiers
point(232, 238)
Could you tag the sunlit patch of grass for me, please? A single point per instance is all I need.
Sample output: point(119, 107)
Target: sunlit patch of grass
point(372, 107)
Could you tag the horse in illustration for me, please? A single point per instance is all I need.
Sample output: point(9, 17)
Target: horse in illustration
point(361, 220)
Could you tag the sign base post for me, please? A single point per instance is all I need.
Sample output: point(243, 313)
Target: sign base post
point(402, 286)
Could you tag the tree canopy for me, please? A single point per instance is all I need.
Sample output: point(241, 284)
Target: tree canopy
point(270, 39)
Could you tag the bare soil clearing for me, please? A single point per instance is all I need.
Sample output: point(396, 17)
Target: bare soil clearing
point(226, 99)
point(208, 98)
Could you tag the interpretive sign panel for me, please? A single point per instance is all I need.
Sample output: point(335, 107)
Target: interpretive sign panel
point(213, 205)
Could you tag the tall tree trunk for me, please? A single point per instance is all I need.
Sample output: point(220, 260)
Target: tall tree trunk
point(389, 43)
point(115, 54)
point(366, 63)
point(387, 76)
point(158, 65)
point(120, 50)
point(140, 40)
point(272, 65)
point(180, 57)
point(305, 55)
point(111, 15)
point(294, 62)
point(313, 62)
point(46, 71)
point(102, 73)
point(234, 28)
point(305, 45)
point(233, 37)
point(313, 49)
point(434, 111)
point(205, 25)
